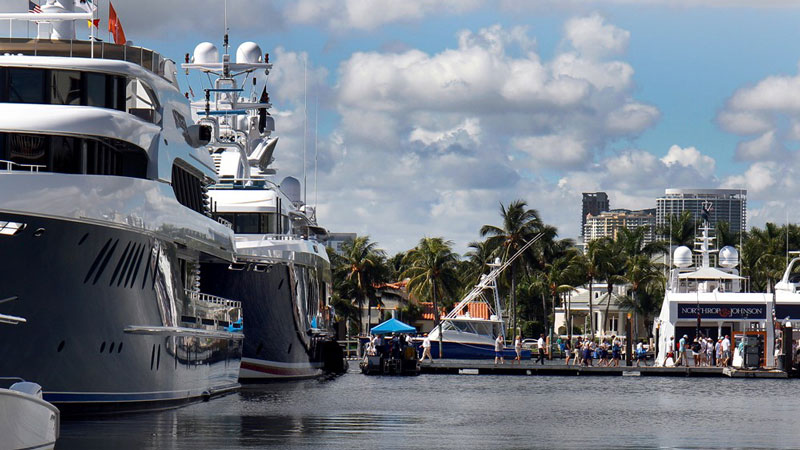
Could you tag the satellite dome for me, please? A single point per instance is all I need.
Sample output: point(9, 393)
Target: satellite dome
point(728, 257)
point(682, 257)
point(291, 187)
point(205, 52)
point(248, 53)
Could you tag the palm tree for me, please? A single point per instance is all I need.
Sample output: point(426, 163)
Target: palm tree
point(474, 264)
point(432, 272)
point(594, 265)
point(556, 278)
point(644, 276)
point(520, 225)
point(679, 230)
point(363, 266)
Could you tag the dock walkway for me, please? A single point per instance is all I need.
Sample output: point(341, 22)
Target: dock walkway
point(472, 367)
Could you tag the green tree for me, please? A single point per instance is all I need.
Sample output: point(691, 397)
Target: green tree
point(363, 267)
point(520, 225)
point(595, 264)
point(679, 229)
point(646, 280)
point(432, 272)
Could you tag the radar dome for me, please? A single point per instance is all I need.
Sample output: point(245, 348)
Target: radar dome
point(248, 53)
point(205, 53)
point(291, 187)
point(682, 257)
point(728, 257)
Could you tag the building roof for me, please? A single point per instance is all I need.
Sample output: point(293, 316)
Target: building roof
point(709, 273)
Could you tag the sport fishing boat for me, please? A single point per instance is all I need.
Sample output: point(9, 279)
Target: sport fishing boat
point(470, 329)
point(105, 226)
point(282, 273)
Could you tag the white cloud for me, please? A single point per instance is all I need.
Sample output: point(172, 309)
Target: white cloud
point(553, 151)
point(760, 148)
point(367, 15)
point(689, 157)
point(592, 37)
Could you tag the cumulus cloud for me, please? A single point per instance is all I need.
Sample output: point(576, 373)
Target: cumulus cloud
point(689, 157)
point(591, 36)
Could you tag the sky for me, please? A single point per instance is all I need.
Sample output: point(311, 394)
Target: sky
point(426, 115)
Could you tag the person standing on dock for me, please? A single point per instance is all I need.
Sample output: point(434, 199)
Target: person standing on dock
point(540, 345)
point(682, 359)
point(567, 351)
point(726, 351)
point(616, 352)
point(498, 350)
point(426, 348)
point(669, 360)
point(518, 349)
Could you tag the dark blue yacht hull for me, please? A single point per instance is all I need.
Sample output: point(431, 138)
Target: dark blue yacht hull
point(82, 287)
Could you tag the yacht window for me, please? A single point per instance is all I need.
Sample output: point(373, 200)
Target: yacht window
point(26, 85)
point(141, 101)
point(95, 89)
point(76, 155)
point(65, 87)
point(189, 189)
point(247, 223)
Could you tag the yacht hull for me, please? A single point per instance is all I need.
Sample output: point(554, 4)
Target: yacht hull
point(80, 286)
point(27, 422)
point(278, 344)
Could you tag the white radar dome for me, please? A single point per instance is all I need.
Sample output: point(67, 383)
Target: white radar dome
point(205, 53)
point(291, 187)
point(728, 257)
point(682, 257)
point(248, 53)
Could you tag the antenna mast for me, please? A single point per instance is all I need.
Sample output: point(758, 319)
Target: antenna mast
point(305, 126)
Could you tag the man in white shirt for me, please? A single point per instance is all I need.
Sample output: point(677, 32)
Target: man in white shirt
point(726, 351)
point(540, 345)
point(498, 350)
point(426, 348)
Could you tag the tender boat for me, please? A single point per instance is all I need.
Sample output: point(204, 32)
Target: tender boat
point(105, 226)
point(26, 420)
point(282, 273)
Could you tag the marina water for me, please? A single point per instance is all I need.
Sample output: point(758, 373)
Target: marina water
point(466, 411)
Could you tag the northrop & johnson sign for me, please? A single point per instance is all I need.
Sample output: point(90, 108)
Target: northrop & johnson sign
point(721, 311)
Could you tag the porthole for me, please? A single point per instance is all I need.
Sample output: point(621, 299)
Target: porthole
point(111, 348)
point(102, 347)
point(119, 348)
point(60, 346)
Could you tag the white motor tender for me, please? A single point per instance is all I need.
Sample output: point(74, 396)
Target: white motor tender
point(205, 53)
point(249, 53)
point(728, 257)
point(682, 257)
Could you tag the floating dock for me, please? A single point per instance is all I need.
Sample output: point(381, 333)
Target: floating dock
point(471, 367)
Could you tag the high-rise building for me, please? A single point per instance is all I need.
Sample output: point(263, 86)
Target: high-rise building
point(608, 223)
point(593, 203)
point(335, 241)
point(728, 205)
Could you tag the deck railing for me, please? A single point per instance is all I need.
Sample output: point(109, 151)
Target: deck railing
point(8, 166)
point(230, 309)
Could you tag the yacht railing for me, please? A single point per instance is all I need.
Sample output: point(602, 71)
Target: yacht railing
point(10, 165)
point(216, 304)
point(225, 222)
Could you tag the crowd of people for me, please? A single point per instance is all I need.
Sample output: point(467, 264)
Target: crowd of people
point(704, 352)
point(394, 346)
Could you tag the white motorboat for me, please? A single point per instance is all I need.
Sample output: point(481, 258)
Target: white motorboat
point(27, 421)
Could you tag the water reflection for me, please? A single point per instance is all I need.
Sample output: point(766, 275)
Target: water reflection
point(438, 411)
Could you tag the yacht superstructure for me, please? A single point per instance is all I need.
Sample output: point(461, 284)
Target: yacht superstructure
point(712, 302)
point(105, 227)
point(282, 273)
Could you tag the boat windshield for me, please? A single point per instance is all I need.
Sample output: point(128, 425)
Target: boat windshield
point(483, 328)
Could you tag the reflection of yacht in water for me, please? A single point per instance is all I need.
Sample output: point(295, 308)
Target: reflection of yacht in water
point(105, 227)
point(470, 329)
point(282, 274)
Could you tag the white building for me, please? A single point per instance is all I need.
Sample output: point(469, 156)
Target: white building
point(608, 223)
point(578, 304)
point(729, 205)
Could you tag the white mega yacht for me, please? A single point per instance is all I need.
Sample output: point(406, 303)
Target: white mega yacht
point(105, 226)
point(282, 273)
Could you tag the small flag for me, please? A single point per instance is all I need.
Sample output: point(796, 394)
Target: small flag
point(33, 7)
point(89, 7)
point(114, 26)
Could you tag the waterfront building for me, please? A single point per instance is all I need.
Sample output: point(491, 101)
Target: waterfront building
point(593, 203)
point(729, 205)
point(335, 241)
point(609, 319)
point(607, 223)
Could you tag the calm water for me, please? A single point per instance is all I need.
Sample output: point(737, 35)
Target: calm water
point(467, 411)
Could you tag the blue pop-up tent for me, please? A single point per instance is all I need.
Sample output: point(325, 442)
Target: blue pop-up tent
point(393, 326)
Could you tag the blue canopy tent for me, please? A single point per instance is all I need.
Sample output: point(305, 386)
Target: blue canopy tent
point(393, 326)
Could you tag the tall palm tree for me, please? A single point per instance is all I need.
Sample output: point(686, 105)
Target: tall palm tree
point(644, 276)
point(364, 266)
point(557, 277)
point(432, 272)
point(679, 229)
point(520, 225)
point(594, 265)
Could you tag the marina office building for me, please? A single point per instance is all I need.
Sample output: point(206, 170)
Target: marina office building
point(728, 205)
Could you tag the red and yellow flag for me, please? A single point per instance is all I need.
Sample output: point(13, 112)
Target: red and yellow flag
point(114, 26)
